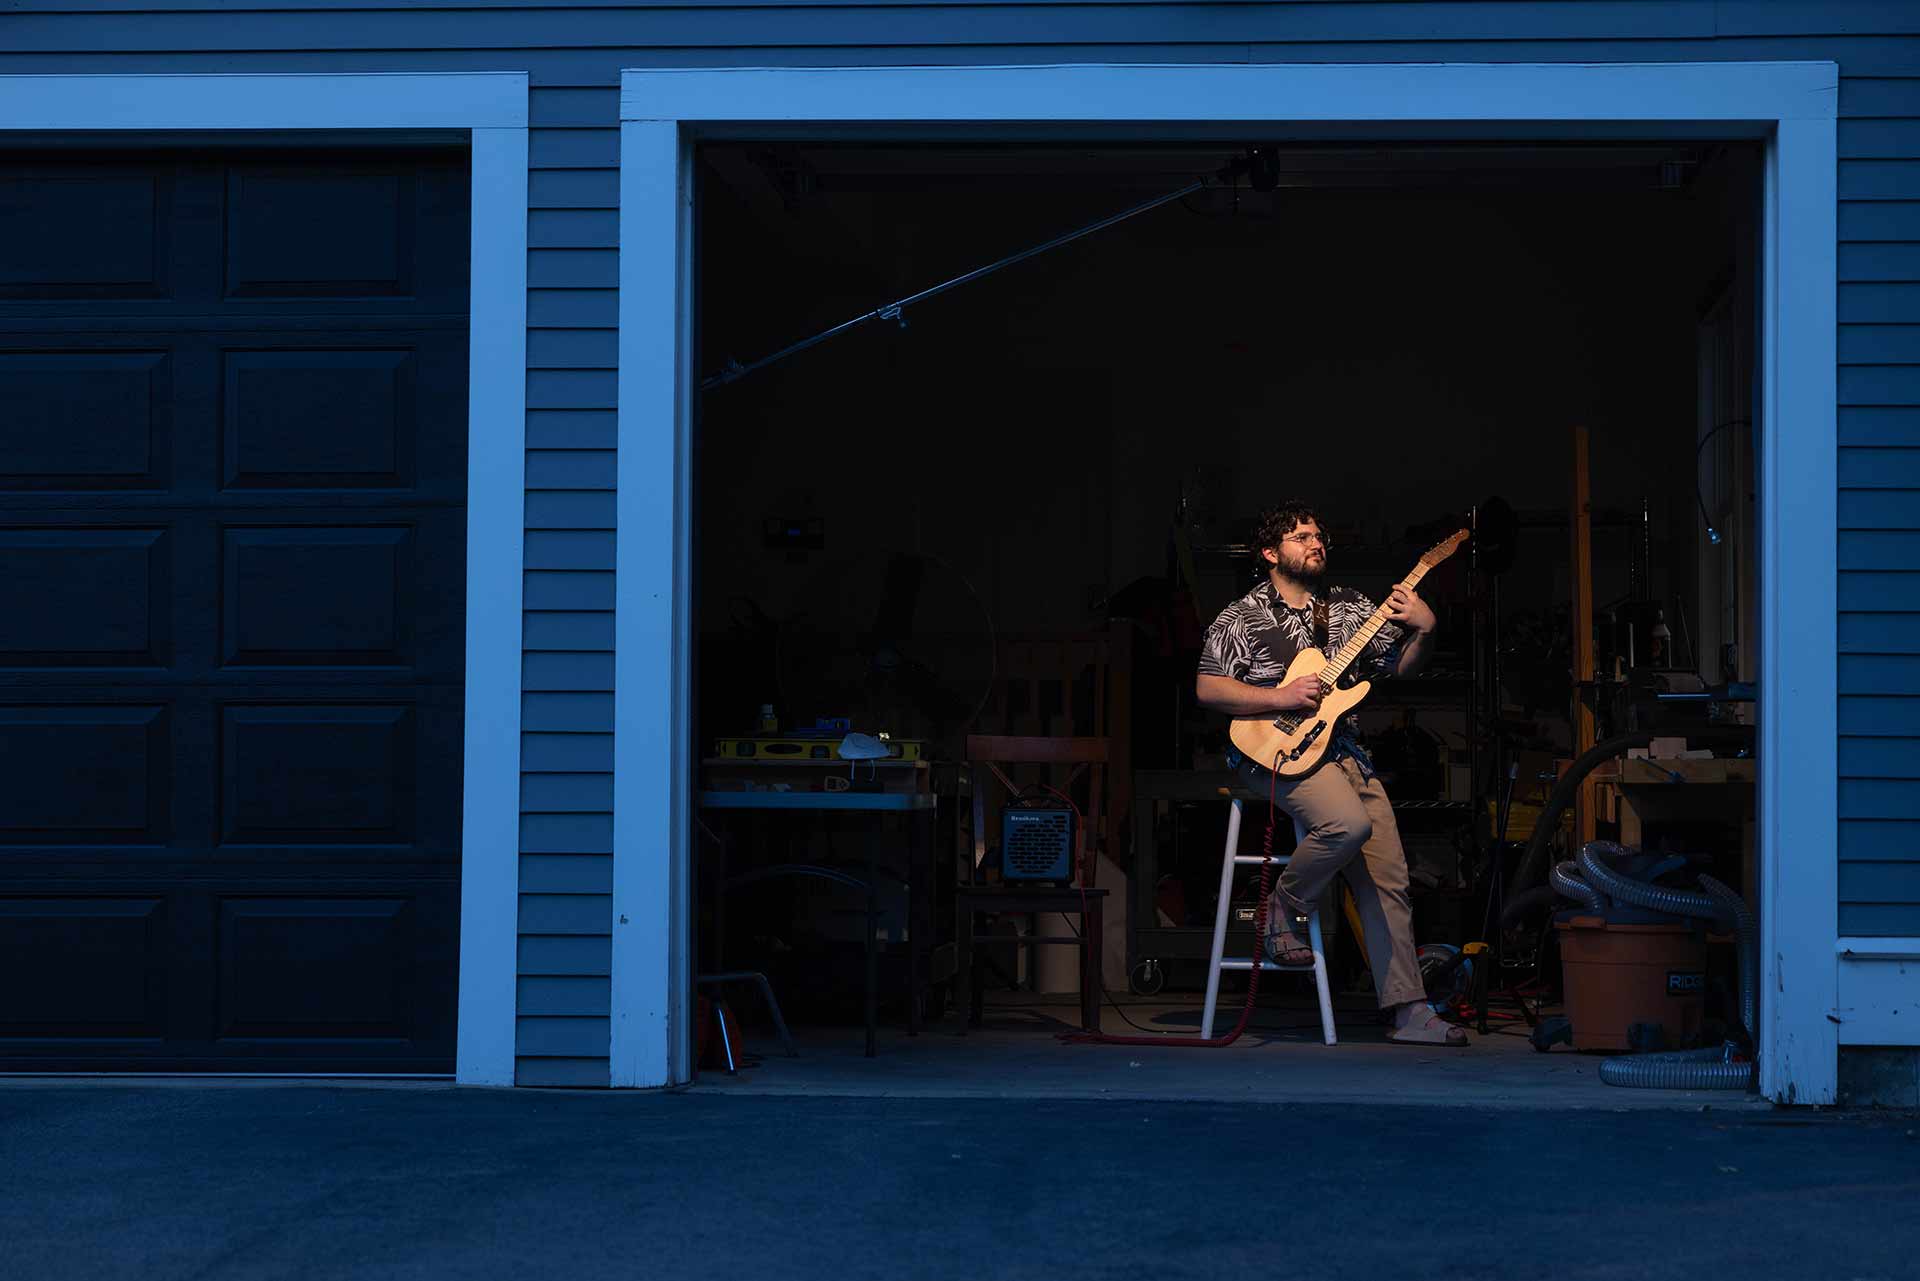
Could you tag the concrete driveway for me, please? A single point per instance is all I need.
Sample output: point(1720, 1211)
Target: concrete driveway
point(218, 1180)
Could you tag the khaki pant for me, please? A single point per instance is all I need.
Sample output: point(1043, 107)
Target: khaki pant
point(1349, 829)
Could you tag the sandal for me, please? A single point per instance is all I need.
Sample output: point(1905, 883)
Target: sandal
point(1288, 949)
point(1429, 1029)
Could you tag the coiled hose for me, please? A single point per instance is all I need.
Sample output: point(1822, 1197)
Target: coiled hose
point(1707, 1069)
point(1565, 877)
point(1533, 863)
point(1657, 898)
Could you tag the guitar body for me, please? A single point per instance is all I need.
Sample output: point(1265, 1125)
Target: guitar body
point(1294, 744)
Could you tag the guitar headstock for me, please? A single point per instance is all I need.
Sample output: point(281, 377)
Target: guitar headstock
point(1444, 548)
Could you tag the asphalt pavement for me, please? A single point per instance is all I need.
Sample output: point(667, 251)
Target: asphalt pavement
point(213, 1180)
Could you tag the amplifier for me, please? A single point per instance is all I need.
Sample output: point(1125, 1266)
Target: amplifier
point(1036, 844)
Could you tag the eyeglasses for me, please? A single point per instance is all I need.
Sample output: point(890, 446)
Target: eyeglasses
point(1304, 539)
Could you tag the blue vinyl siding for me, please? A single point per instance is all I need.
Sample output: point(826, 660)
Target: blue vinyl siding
point(573, 229)
point(1879, 545)
point(569, 508)
point(571, 429)
point(558, 630)
point(564, 1029)
point(570, 549)
point(578, 997)
point(567, 713)
point(566, 793)
point(575, 751)
point(562, 956)
point(572, 590)
point(565, 874)
point(574, 55)
point(567, 672)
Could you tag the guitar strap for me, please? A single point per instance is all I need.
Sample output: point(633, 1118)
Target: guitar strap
point(1320, 624)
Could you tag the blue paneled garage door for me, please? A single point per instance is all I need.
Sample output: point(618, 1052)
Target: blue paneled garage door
point(232, 489)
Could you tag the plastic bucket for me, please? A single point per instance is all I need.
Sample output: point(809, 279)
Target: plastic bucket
point(1620, 975)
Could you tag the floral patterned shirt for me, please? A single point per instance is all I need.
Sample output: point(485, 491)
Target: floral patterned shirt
point(1255, 638)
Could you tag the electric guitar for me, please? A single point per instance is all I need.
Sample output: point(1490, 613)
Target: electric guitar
point(1294, 744)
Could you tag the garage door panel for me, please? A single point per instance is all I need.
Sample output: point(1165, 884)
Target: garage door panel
point(233, 484)
point(439, 585)
point(317, 967)
point(99, 774)
point(83, 967)
point(85, 597)
point(318, 775)
point(304, 233)
point(84, 419)
point(320, 419)
point(93, 235)
point(309, 595)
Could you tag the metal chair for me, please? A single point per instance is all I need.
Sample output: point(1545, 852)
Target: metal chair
point(759, 981)
point(1229, 859)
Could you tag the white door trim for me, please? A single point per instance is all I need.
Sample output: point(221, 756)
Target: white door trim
point(492, 108)
point(652, 704)
point(1790, 105)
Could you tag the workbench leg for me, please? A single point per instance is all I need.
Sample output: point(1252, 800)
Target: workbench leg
point(873, 943)
point(719, 880)
point(917, 843)
point(973, 981)
point(1091, 954)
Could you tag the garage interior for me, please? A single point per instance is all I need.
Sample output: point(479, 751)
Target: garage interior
point(1046, 479)
point(1012, 510)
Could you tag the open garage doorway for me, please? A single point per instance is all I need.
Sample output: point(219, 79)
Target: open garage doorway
point(1786, 109)
point(1016, 508)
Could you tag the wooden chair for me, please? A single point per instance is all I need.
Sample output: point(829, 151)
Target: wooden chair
point(986, 754)
point(1073, 685)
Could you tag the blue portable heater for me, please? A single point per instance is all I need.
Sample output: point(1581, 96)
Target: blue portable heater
point(1036, 843)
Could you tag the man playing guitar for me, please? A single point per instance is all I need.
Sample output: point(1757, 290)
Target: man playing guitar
point(1342, 806)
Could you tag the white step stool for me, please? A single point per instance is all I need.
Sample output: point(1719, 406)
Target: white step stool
point(1230, 858)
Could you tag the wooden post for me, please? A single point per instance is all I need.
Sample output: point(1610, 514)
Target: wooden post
point(1585, 812)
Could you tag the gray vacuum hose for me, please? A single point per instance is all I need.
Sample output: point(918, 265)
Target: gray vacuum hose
point(1679, 1070)
point(1656, 898)
point(1746, 931)
point(1710, 1069)
point(1565, 877)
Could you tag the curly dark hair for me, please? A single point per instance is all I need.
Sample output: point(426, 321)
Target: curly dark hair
point(1276, 523)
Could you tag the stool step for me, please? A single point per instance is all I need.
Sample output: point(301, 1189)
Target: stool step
point(1254, 860)
point(1268, 967)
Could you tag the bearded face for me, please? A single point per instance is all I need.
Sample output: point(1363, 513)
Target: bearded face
point(1302, 555)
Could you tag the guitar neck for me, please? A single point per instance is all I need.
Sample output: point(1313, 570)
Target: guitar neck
point(1356, 645)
